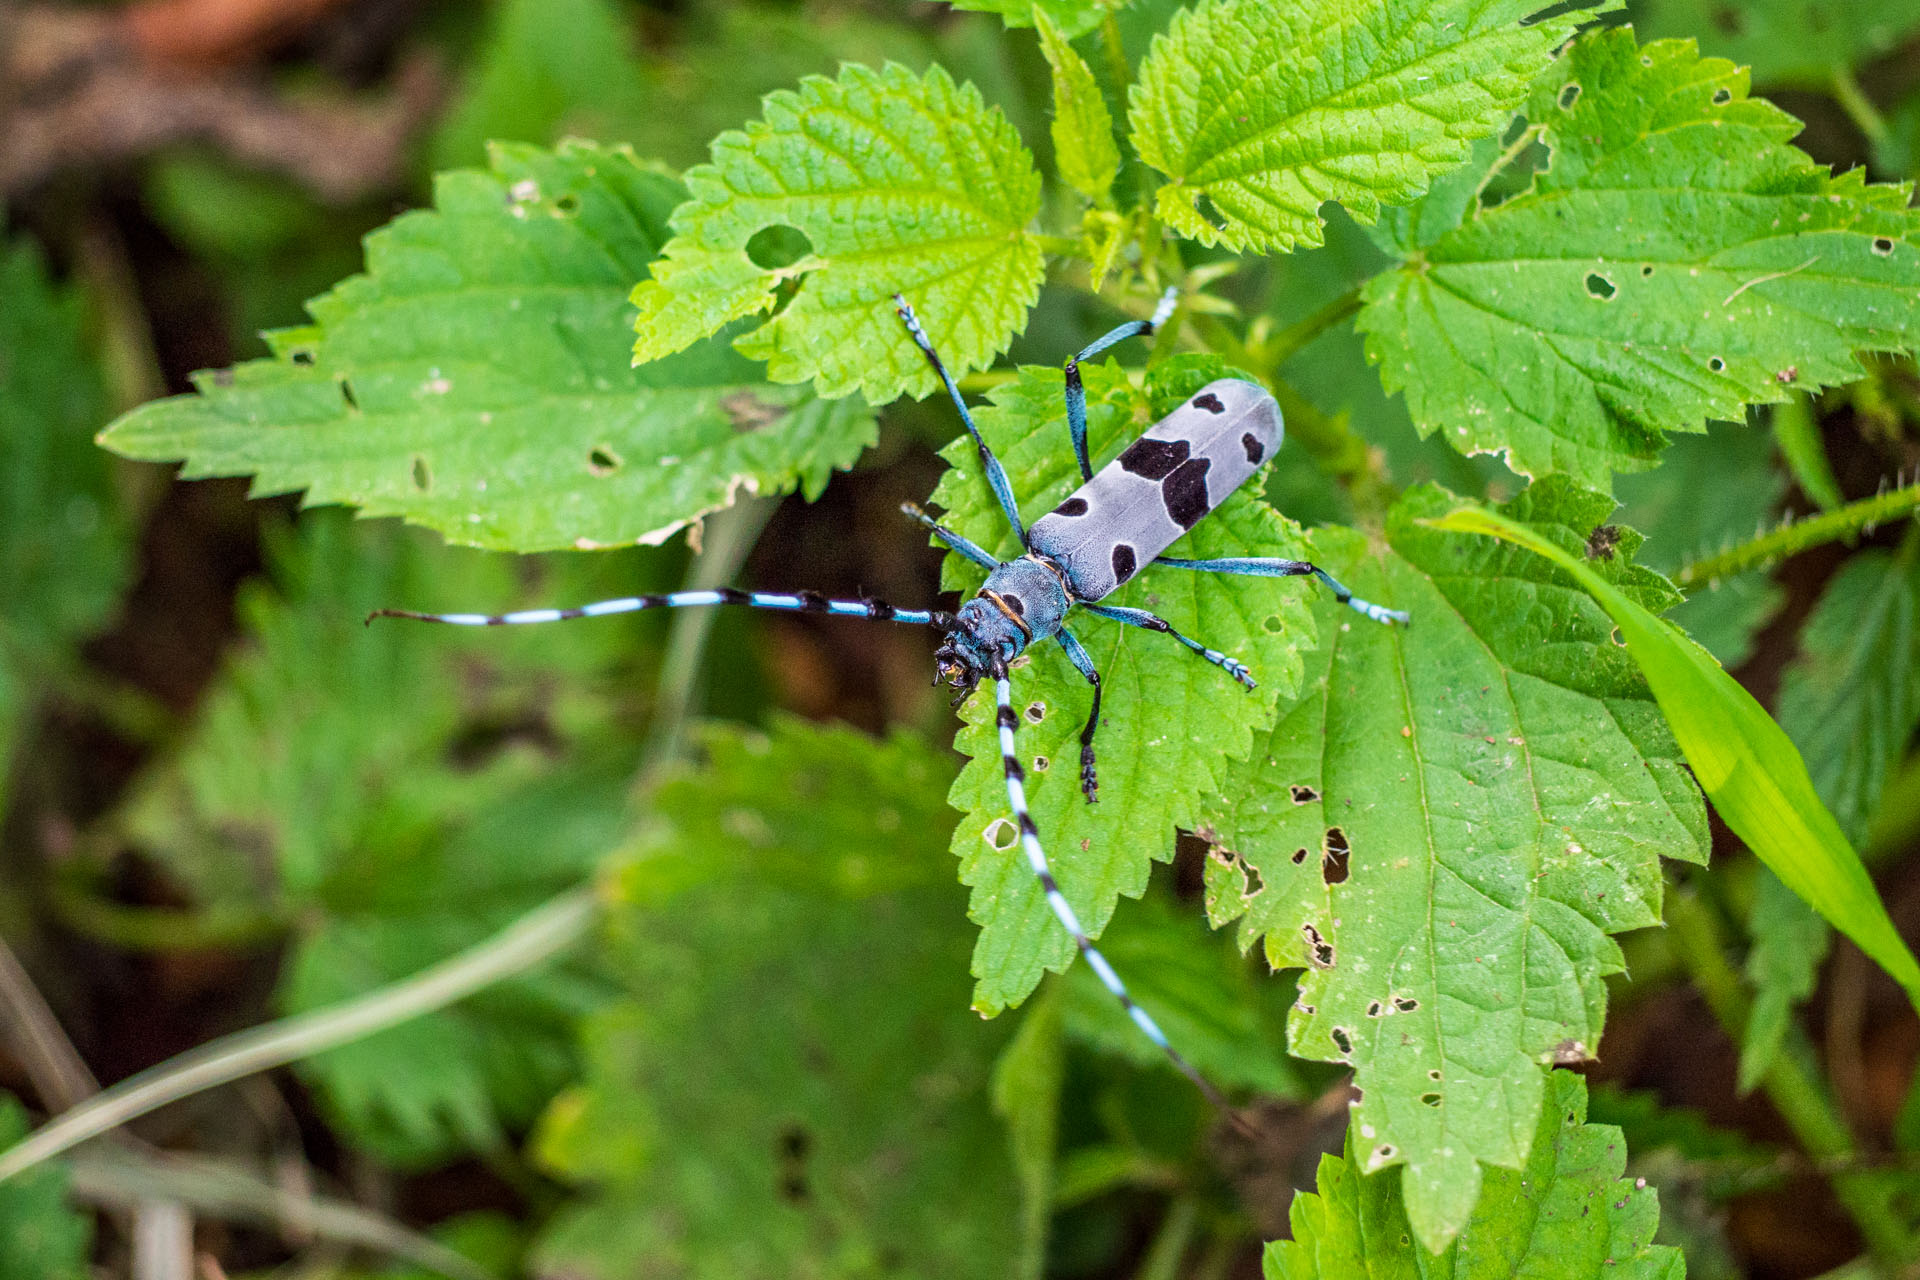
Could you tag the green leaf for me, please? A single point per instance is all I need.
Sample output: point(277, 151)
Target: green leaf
point(63, 543)
point(1026, 1096)
point(1675, 261)
point(898, 184)
point(1261, 111)
point(793, 1084)
point(1073, 18)
point(1154, 765)
point(1083, 147)
point(1848, 701)
point(397, 399)
point(392, 794)
point(1566, 1215)
point(41, 1236)
point(1747, 765)
point(1446, 827)
point(1791, 42)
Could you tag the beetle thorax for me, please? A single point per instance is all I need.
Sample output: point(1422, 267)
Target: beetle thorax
point(1023, 600)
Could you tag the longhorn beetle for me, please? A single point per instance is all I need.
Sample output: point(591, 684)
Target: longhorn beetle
point(1117, 523)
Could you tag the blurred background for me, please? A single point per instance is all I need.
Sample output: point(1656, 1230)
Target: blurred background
point(222, 800)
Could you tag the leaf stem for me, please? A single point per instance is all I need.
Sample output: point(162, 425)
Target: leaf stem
point(1859, 108)
point(1842, 523)
point(1170, 1244)
point(1794, 1090)
point(532, 939)
point(1290, 341)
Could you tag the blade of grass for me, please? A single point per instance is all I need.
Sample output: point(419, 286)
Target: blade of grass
point(1746, 764)
point(533, 938)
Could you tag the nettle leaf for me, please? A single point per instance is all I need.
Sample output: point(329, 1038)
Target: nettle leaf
point(42, 1237)
point(896, 183)
point(1261, 111)
point(394, 793)
point(1676, 260)
point(1446, 826)
point(1171, 724)
point(1785, 41)
point(63, 544)
point(1074, 18)
point(1567, 1214)
point(473, 381)
point(1083, 147)
point(793, 1084)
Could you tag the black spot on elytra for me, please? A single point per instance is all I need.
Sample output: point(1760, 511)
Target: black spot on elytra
point(1185, 492)
point(1072, 507)
point(1255, 450)
point(1210, 402)
point(1154, 459)
point(1124, 563)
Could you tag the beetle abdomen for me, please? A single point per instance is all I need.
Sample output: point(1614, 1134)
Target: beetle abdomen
point(1139, 504)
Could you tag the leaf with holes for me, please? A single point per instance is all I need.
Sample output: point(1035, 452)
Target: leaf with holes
point(1677, 260)
point(1261, 111)
point(473, 380)
point(386, 796)
point(897, 183)
point(1567, 1214)
point(794, 1050)
point(1446, 826)
point(63, 541)
point(1171, 724)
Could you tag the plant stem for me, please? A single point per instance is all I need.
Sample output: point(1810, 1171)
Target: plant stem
point(1171, 1243)
point(1290, 341)
point(1795, 1092)
point(1859, 108)
point(1842, 523)
point(533, 938)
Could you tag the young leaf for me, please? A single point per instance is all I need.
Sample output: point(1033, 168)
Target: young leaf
point(473, 382)
point(1261, 111)
point(1083, 146)
point(63, 543)
point(1676, 260)
point(1447, 826)
point(1567, 1214)
point(895, 183)
point(1170, 723)
point(793, 1084)
point(41, 1235)
point(379, 791)
point(1796, 42)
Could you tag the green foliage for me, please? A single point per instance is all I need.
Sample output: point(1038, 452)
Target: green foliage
point(1083, 146)
point(41, 1237)
point(1676, 261)
point(1260, 111)
point(1567, 1214)
point(338, 781)
point(63, 539)
point(1071, 17)
point(1784, 41)
point(792, 1083)
point(1445, 828)
point(897, 184)
point(397, 399)
point(1153, 771)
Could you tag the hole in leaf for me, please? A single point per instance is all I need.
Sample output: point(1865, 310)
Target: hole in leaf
point(1002, 834)
point(422, 476)
point(790, 1154)
point(1317, 945)
point(1342, 1040)
point(1333, 857)
point(1375, 1008)
point(1385, 1151)
point(1646, 271)
point(568, 203)
point(1299, 856)
point(301, 355)
point(603, 461)
point(1407, 1004)
point(1434, 1074)
point(1882, 246)
point(346, 393)
point(1304, 795)
point(1431, 1099)
point(1569, 94)
point(1041, 764)
point(1722, 96)
point(773, 248)
point(1036, 711)
point(1717, 365)
point(1272, 625)
point(1598, 286)
point(1204, 206)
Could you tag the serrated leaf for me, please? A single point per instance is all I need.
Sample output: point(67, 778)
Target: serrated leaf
point(42, 1237)
point(1790, 942)
point(63, 543)
point(1503, 789)
point(1676, 261)
point(1171, 724)
point(900, 184)
point(793, 1085)
point(392, 794)
point(1261, 111)
point(1566, 1215)
point(1797, 42)
point(473, 380)
point(1074, 18)
point(1083, 147)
